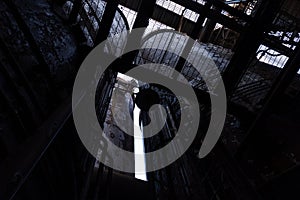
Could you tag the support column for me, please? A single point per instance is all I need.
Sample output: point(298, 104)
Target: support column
point(208, 28)
point(249, 43)
point(107, 20)
point(144, 14)
point(75, 11)
point(198, 27)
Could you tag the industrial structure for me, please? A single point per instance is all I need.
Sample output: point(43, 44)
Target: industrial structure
point(255, 44)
